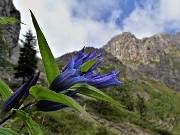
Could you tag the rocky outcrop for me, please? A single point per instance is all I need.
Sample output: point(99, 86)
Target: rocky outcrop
point(157, 56)
point(11, 31)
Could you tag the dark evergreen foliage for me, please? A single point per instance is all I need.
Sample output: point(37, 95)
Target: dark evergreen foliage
point(124, 94)
point(27, 62)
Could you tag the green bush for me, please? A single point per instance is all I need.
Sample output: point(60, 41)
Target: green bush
point(141, 107)
point(124, 95)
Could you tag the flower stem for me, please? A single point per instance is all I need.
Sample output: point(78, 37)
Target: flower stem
point(7, 118)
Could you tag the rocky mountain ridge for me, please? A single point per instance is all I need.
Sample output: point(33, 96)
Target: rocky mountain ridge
point(157, 56)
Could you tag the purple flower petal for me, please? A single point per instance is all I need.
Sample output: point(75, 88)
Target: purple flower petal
point(70, 65)
point(80, 55)
point(90, 75)
point(66, 79)
point(105, 81)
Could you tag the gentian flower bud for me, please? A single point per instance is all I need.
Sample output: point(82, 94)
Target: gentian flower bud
point(22, 92)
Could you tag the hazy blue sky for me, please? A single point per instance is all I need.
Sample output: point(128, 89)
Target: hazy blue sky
point(69, 25)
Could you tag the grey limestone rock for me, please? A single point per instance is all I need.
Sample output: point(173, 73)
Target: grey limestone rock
point(11, 31)
point(157, 56)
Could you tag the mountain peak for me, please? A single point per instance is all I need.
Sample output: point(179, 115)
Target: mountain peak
point(157, 56)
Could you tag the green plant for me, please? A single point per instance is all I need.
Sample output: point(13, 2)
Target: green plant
point(124, 94)
point(78, 76)
point(142, 109)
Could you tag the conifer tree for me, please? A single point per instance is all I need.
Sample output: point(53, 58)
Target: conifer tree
point(27, 63)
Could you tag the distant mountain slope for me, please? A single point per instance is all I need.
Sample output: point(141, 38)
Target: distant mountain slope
point(157, 56)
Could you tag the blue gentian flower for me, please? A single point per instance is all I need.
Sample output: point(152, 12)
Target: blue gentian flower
point(19, 95)
point(92, 78)
point(72, 74)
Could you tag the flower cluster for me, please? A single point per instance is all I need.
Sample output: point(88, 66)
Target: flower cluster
point(72, 74)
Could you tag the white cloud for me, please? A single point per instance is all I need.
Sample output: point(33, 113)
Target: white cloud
point(66, 32)
point(153, 17)
point(169, 10)
point(70, 25)
point(170, 13)
point(141, 23)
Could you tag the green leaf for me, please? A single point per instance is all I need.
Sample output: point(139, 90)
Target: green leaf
point(5, 91)
point(94, 93)
point(86, 66)
point(7, 131)
point(32, 126)
point(42, 93)
point(8, 20)
point(49, 62)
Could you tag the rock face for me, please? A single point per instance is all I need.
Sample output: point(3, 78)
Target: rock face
point(11, 31)
point(157, 56)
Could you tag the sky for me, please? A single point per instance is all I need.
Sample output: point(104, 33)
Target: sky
point(69, 25)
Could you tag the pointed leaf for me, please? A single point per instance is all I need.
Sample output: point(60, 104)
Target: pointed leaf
point(32, 126)
point(8, 20)
point(50, 65)
point(42, 93)
point(94, 93)
point(7, 131)
point(87, 65)
point(5, 91)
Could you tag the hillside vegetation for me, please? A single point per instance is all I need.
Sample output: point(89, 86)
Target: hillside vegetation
point(152, 107)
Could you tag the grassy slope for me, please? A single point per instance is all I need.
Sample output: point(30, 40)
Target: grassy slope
point(66, 122)
point(162, 107)
point(161, 116)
